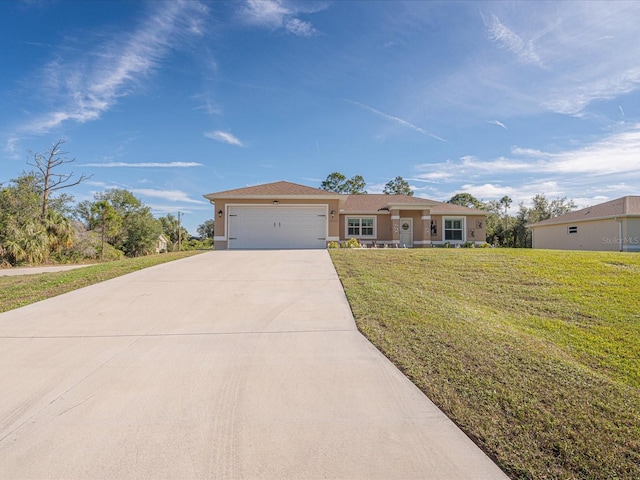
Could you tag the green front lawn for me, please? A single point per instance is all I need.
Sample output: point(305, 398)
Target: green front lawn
point(20, 290)
point(534, 354)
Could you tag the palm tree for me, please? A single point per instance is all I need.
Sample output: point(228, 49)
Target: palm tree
point(107, 219)
point(28, 242)
point(506, 202)
point(59, 230)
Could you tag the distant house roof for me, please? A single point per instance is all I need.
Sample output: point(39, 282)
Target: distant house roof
point(620, 207)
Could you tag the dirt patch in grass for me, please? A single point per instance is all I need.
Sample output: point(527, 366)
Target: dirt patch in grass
point(535, 354)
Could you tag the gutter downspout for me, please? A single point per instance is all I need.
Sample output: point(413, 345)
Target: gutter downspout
point(619, 232)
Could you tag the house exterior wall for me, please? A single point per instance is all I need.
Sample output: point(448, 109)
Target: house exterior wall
point(221, 238)
point(388, 225)
point(384, 228)
point(598, 235)
point(631, 234)
point(383, 231)
point(474, 229)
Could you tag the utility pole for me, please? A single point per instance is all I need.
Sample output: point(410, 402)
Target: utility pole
point(179, 230)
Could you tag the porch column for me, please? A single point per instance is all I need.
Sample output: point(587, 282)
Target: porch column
point(426, 228)
point(395, 226)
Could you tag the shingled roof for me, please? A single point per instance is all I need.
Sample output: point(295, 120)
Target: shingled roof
point(620, 207)
point(280, 189)
point(373, 202)
point(370, 203)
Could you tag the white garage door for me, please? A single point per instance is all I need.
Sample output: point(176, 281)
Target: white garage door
point(277, 227)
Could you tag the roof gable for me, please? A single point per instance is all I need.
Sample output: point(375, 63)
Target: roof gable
point(272, 189)
point(374, 202)
point(629, 205)
point(444, 208)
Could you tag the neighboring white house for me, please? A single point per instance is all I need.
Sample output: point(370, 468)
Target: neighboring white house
point(609, 226)
point(161, 244)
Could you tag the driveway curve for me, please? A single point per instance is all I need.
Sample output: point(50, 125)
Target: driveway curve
point(229, 364)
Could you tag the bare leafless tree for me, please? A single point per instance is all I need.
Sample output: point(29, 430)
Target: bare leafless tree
point(48, 161)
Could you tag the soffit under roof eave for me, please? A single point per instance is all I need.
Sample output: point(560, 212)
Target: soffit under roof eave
point(463, 214)
point(213, 197)
point(364, 212)
point(410, 206)
point(581, 220)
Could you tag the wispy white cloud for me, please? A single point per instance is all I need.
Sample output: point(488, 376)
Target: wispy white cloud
point(540, 57)
point(142, 165)
point(528, 152)
point(488, 190)
point(517, 193)
point(278, 14)
point(171, 195)
point(573, 100)
point(375, 187)
point(500, 164)
point(524, 51)
point(499, 124)
point(436, 172)
point(608, 166)
point(11, 147)
point(206, 104)
point(588, 50)
point(164, 209)
point(440, 176)
point(94, 183)
point(224, 137)
point(299, 27)
point(83, 90)
point(397, 120)
point(616, 153)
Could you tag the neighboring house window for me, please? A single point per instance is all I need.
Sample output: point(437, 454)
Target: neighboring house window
point(453, 229)
point(360, 226)
point(573, 229)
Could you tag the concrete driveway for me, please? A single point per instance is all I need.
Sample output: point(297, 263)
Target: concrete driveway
point(229, 364)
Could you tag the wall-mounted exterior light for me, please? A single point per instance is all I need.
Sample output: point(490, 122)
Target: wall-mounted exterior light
point(219, 213)
point(333, 213)
point(276, 202)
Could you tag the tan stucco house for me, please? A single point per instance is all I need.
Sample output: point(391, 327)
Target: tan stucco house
point(609, 226)
point(288, 215)
point(161, 244)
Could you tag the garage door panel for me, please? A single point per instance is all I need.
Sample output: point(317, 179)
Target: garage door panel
point(277, 227)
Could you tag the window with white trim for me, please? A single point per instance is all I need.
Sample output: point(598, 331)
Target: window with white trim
point(361, 227)
point(453, 228)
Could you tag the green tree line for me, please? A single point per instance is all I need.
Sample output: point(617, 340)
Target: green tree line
point(39, 223)
point(507, 230)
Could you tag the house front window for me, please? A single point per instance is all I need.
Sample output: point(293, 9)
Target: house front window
point(453, 229)
point(360, 227)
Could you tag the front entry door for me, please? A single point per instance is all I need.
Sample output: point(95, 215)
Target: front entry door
point(406, 232)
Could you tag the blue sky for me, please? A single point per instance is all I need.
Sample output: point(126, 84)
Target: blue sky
point(175, 100)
